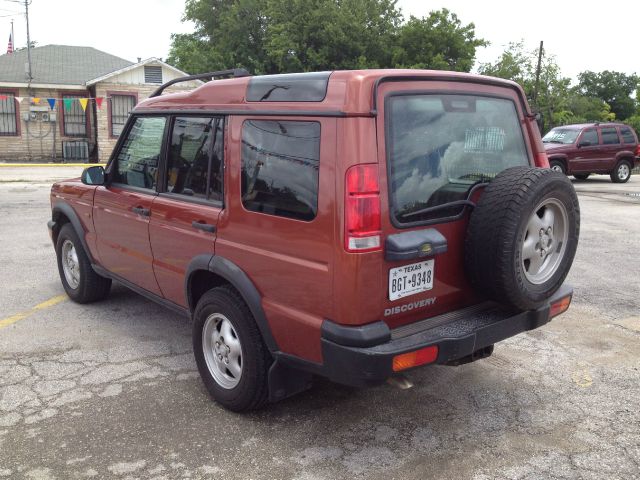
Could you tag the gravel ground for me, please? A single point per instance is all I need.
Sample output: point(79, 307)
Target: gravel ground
point(110, 390)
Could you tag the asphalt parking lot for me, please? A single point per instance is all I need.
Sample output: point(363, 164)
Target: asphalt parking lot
point(110, 390)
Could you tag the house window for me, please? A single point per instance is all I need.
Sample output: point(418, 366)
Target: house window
point(8, 117)
point(121, 106)
point(75, 119)
point(152, 74)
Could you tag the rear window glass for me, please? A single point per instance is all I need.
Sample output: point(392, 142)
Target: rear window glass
point(280, 165)
point(440, 146)
point(627, 135)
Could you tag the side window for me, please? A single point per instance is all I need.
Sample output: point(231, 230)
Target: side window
point(195, 164)
point(280, 164)
point(627, 135)
point(610, 136)
point(137, 161)
point(590, 136)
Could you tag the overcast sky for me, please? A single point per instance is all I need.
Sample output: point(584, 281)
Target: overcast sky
point(583, 36)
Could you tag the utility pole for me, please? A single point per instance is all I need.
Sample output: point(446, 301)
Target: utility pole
point(535, 93)
point(29, 75)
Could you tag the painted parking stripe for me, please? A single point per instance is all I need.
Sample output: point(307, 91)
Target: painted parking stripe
point(5, 322)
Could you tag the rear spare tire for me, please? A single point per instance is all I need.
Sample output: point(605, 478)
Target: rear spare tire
point(522, 236)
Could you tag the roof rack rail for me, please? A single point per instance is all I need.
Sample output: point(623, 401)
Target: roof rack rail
point(234, 72)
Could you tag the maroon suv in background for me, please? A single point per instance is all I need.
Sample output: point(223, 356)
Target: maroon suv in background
point(587, 148)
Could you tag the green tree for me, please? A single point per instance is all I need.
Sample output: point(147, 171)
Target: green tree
point(273, 36)
point(550, 94)
point(312, 35)
point(439, 41)
point(614, 88)
point(228, 34)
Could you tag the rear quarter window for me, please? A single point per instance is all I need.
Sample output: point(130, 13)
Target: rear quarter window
point(280, 166)
point(627, 135)
point(440, 146)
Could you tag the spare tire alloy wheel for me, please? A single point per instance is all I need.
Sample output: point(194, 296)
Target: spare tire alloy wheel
point(544, 241)
point(522, 236)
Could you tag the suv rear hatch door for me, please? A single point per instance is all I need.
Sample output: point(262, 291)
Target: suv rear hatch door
point(438, 146)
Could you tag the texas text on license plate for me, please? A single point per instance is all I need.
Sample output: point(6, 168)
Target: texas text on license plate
point(410, 279)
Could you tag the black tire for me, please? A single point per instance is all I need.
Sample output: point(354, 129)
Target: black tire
point(251, 392)
point(558, 166)
point(622, 172)
point(581, 176)
point(494, 258)
point(91, 287)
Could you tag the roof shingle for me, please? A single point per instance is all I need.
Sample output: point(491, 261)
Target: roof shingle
point(59, 64)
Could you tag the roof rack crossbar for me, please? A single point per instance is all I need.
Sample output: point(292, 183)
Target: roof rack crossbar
point(234, 72)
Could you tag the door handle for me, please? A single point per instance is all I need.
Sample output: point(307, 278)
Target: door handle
point(145, 212)
point(206, 227)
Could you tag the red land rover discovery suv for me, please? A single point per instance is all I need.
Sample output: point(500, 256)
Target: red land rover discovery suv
point(581, 150)
point(349, 224)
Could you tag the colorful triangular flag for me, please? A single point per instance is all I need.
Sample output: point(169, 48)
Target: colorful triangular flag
point(36, 100)
point(99, 102)
point(68, 103)
point(83, 102)
point(3, 97)
point(19, 99)
point(52, 103)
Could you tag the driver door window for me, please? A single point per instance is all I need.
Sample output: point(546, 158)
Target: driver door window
point(137, 161)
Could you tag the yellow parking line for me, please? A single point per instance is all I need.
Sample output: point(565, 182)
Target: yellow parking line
point(51, 164)
point(5, 322)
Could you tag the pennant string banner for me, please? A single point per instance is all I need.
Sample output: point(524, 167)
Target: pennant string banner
point(66, 101)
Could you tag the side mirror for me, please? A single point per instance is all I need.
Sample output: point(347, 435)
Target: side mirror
point(584, 143)
point(93, 175)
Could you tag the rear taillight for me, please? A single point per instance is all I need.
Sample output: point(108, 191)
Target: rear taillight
point(362, 209)
point(637, 150)
point(542, 161)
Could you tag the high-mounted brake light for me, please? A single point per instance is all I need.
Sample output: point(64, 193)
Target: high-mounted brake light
point(362, 209)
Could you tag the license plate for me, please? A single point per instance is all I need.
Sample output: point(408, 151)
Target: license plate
point(410, 279)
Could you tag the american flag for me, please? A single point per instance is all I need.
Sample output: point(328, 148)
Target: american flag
point(10, 44)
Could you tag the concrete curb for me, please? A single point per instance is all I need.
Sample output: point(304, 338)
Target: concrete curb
point(51, 164)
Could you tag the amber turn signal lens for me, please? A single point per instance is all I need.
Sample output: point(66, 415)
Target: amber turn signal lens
point(416, 358)
point(560, 306)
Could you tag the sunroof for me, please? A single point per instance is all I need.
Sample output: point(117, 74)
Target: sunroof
point(289, 87)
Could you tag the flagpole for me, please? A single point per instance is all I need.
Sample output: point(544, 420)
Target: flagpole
point(13, 38)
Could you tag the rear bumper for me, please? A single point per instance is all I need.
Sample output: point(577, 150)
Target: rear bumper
point(358, 365)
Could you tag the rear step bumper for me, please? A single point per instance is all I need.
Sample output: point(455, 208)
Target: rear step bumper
point(465, 337)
